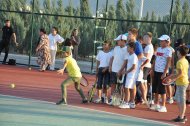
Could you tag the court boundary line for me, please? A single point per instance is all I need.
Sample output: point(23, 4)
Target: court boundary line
point(111, 113)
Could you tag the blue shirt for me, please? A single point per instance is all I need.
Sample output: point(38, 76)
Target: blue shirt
point(138, 48)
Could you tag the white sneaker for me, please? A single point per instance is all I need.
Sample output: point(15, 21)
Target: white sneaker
point(162, 109)
point(170, 101)
point(132, 105)
point(99, 100)
point(151, 102)
point(124, 105)
point(155, 107)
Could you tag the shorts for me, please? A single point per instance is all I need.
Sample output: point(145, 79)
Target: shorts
point(113, 78)
point(129, 83)
point(103, 79)
point(180, 94)
point(157, 86)
point(146, 71)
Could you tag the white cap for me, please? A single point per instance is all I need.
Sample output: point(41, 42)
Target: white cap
point(121, 37)
point(164, 37)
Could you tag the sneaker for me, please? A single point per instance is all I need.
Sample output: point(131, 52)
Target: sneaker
point(111, 102)
point(124, 105)
point(132, 105)
point(84, 101)
point(99, 100)
point(155, 107)
point(178, 119)
point(106, 100)
point(151, 102)
point(170, 101)
point(162, 109)
point(61, 102)
point(147, 104)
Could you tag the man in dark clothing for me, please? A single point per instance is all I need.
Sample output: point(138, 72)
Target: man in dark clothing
point(8, 33)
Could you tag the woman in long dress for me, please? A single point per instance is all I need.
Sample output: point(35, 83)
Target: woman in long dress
point(42, 51)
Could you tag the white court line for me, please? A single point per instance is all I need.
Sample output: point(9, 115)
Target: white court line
point(153, 121)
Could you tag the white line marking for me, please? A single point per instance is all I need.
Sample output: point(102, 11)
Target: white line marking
point(153, 121)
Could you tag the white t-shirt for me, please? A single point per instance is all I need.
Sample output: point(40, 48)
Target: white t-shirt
point(53, 40)
point(172, 49)
point(104, 58)
point(150, 50)
point(132, 59)
point(161, 58)
point(120, 55)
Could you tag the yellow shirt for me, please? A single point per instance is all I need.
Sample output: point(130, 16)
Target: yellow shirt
point(72, 67)
point(184, 66)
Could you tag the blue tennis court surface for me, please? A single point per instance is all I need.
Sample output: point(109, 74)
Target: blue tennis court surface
point(15, 111)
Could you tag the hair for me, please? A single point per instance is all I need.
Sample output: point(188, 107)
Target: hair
point(132, 45)
point(7, 20)
point(179, 42)
point(139, 38)
point(134, 31)
point(56, 29)
point(43, 30)
point(72, 33)
point(183, 50)
point(149, 34)
point(68, 42)
point(107, 42)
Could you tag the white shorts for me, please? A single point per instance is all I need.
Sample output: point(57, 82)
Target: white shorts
point(129, 83)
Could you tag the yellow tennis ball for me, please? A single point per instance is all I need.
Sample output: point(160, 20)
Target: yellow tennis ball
point(30, 68)
point(12, 85)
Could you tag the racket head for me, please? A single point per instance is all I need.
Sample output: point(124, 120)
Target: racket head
point(84, 81)
point(168, 80)
point(120, 79)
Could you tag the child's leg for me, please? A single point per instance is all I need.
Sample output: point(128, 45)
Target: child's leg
point(163, 96)
point(127, 95)
point(77, 87)
point(182, 100)
point(64, 84)
point(143, 92)
point(133, 94)
point(188, 94)
point(113, 82)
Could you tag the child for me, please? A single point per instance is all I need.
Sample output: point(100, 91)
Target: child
point(117, 60)
point(74, 76)
point(160, 68)
point(181, 83)
point(130, 75)
point(102, 68)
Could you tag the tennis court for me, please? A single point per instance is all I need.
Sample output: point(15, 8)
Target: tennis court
point(23, 104)
point(21, 111)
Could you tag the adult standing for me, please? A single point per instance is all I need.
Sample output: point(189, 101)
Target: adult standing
point(8, 33)
point(42, 51)
point(54, 38)
point(75, 42)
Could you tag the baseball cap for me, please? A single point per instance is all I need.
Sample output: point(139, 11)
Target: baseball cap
point(164, 37)
point(121, 37)
point(179, 42)
point(66, 49)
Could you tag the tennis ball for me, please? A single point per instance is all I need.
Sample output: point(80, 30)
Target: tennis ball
point(12, 85)
point(30, 68)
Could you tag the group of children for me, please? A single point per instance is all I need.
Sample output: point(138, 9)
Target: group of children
point(128, 58)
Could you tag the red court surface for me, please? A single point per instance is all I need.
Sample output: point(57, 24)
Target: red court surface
point(46, 86)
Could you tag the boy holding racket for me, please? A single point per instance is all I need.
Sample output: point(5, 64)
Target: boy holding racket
point(182, 82)
point(102, 68)
point(74, 76)
point(159, 70)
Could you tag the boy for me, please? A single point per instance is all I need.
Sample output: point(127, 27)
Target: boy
point(130, 76)
point(74, 76)
point(118, 57)
point(160, 68)
point(102, 68)
point(181, 83)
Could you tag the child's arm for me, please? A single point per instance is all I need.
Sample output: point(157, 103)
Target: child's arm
point(97, 66)
point(166, 68)
point(110, 64)
point(131, 69)
point(172, 63)
point(61, 71)
point(123, 67)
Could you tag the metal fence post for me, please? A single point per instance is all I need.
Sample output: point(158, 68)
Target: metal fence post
point(30, 53)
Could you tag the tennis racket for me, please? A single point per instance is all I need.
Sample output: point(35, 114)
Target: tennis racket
point(168, 80)
point(92, 91)
point(117, 95)
point(84, 81)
